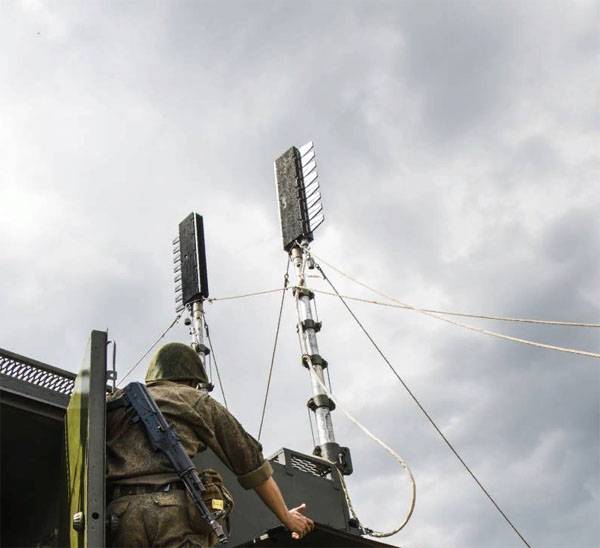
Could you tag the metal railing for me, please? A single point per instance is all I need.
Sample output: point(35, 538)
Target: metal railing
point(36, 373)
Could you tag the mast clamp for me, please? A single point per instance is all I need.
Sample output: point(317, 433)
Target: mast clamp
point(315, 359)
point(321, 400)
point(311, 324)
point(201, 349)
point(303, 292)
point(338, 456)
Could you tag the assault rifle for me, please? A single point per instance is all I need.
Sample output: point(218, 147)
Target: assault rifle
point(163, 438)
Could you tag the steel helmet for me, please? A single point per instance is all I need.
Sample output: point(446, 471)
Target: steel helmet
point(176, 362)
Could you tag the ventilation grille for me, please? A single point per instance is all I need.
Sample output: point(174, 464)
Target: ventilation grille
point(36, 373)
point(305, 465)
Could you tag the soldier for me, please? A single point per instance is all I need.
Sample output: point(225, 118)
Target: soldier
point(148, 501)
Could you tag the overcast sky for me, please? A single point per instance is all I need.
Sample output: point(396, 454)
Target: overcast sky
point(458, 152)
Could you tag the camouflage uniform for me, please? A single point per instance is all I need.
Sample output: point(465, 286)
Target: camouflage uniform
point(170, 519)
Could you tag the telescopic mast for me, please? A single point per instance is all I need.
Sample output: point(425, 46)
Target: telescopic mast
point(301, 213)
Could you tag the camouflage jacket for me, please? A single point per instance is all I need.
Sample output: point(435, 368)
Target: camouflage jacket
point(199, 421)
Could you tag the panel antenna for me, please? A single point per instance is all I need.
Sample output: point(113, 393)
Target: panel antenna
point(300, 207)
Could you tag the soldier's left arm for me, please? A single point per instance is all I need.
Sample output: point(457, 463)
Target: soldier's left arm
point(228, 439)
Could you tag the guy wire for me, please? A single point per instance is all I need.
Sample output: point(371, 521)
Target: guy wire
point(427, 415)
point(150, 349)
point(397, 304)
point(464, 325)
point(214, 360)
point(243, 296)
point(406, 306)
point(312, 432)
point(283, 292)
point(328, 378)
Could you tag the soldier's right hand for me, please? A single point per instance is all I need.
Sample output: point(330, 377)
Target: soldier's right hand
point(298, 523)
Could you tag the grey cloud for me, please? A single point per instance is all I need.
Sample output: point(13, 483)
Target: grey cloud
point(458, 61)
point(454, 145)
